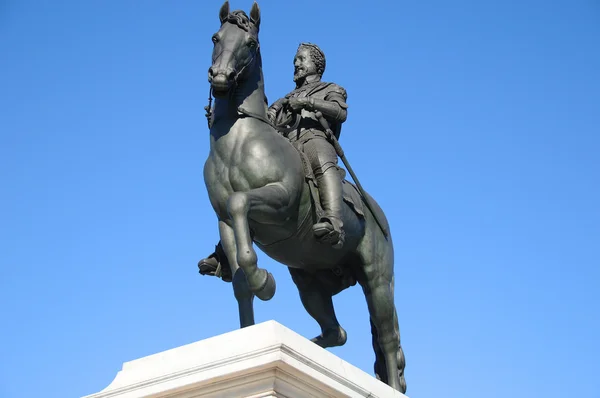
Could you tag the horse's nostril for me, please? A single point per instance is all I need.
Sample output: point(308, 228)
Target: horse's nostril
point(211, 71)
point(231, 75)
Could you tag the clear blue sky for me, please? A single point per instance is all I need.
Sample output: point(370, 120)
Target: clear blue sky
point(474, 124)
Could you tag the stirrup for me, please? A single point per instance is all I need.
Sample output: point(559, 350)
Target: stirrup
point(210, 265)
point(326, 232)
point(213, 265)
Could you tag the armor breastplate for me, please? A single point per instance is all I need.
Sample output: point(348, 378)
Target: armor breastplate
point(316, 90)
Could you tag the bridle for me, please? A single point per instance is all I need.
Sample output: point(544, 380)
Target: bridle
point(283, 128)
point(208, 108)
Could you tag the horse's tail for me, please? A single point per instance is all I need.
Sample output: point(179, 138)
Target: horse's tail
point(378, 213)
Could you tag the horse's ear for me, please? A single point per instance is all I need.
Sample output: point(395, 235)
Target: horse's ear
point(255, 14)
point(224, 11)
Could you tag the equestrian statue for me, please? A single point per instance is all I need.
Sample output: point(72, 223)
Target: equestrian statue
point(273, 180)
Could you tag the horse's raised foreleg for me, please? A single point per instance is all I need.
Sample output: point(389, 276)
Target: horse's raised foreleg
point(265, 202)
point(319, 304)
point(241, 290)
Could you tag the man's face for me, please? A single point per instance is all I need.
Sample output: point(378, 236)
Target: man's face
point(303, 64)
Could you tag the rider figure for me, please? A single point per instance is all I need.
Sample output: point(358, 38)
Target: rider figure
point(310, 96)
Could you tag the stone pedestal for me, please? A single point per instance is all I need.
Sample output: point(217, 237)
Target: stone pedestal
point(264, 360)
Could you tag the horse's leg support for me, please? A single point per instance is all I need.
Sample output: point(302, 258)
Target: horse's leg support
point(262, 202)
point(241, 290)
point(379, 293)
point(319, 304)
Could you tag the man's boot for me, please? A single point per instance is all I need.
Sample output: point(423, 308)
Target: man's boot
point(216, 264)
point(329, 229)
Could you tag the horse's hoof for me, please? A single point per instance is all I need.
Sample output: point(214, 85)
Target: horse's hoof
point(331, 338)
point(266, 291)
point(402, 388)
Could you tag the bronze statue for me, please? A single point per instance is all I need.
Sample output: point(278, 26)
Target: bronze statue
point(273, 181)
point(312, 96)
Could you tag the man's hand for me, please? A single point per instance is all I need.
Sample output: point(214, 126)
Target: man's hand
point(297, 104)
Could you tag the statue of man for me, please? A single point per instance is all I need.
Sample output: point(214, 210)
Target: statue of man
point(310, 96)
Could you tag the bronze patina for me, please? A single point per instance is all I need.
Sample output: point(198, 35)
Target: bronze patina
point(273, 180)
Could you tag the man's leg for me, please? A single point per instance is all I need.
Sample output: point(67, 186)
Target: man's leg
point(216, 264)
point(323, 160)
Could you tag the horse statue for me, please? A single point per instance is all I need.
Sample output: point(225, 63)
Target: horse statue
point(258, 187)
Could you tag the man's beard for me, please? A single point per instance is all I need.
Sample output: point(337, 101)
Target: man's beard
point(300, 74)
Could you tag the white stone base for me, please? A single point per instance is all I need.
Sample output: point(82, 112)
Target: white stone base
point(264, 360)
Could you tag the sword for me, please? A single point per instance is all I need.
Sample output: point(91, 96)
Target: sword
point(340, 153)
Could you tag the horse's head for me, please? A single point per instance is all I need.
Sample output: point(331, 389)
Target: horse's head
point(235, 48)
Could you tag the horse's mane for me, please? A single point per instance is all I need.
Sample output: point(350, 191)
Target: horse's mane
point(240, 19)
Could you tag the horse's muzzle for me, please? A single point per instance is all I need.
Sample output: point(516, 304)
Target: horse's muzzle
point(220, 81)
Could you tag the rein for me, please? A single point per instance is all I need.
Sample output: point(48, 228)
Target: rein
point(282, 128)
point(208, 108)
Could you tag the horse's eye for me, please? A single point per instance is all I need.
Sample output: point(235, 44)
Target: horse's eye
point(252, 44)
point(215, 39)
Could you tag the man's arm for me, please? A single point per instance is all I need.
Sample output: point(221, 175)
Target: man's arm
point(274, 109)
point(333, 107)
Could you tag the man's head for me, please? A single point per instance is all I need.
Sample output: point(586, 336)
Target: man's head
point(309, 60)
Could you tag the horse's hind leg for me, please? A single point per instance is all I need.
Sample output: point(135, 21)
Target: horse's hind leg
point(378, 285)
point(267, 202)
point(241, 290)
point(319, 304)
point(380, 366)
